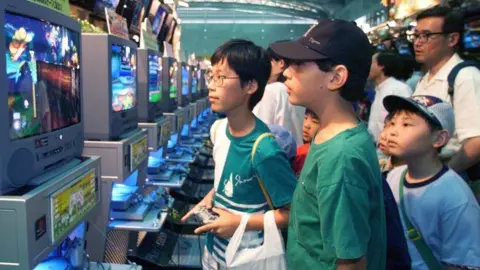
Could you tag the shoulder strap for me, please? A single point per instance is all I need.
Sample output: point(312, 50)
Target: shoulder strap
point(453, 75)
point(415, 236)
point(262, 186)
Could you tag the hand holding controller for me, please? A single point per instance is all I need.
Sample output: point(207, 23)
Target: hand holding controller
point(205, 215)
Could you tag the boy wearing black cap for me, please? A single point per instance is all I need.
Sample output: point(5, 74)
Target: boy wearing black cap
point(338, 216)
point(440, 214)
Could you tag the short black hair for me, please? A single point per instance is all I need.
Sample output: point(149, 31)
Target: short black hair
point(452, 20)
point(311, 113)
point(249, 61)
point(391, 63)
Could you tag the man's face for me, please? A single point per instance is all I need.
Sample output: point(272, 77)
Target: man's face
point(305, 83)
point(436, 46)
point(225, 91)
point(375, 69)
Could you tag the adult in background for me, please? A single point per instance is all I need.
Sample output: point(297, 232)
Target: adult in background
point(436, 39)
point(274, 108)
point(384, 67)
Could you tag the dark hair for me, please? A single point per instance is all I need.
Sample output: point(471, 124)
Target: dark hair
point(310, 113)
point(452, 20)
point(249, 61)
point(276, 57)
point(391, 63)
point(408, 66)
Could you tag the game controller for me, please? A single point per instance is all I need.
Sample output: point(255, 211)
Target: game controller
point(204, 215)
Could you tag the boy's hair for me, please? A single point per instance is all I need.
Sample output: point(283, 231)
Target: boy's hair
point(311, 113)
point(452, 20)
point(391, 64)
point(249, 61)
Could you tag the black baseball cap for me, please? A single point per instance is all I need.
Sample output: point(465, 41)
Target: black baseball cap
point(338, 40)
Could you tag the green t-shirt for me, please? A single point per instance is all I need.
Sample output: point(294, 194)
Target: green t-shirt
point(237, 188)
point(337, 209)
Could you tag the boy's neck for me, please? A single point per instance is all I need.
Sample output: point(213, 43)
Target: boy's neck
point(335, 116)
point(422, 168)
point(241, 121)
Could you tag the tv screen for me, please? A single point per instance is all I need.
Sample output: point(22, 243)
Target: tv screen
point(124, 78)
point(173, 80)
point(154, 78)
point(139, 13)
point(471, 37)
point(158, 21)
point(185, 76)
point(100, 5)
point(42, 66)
point(195, 81)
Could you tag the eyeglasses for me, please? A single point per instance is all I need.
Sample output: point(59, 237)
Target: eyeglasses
point(218, 80)
point(424, 37)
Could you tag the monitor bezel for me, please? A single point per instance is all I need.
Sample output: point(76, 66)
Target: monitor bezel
point(148, 111)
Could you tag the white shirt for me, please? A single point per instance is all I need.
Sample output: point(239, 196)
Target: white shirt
point(445, 212)
point(390, 86)
point(274, 109)
point(466, 100)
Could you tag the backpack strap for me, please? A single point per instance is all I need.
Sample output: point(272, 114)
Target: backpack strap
point(453, 75)
point(415, 236)
point(260, 182)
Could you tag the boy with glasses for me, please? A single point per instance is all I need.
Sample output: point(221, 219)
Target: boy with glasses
point(237, 82)
point(437, 37)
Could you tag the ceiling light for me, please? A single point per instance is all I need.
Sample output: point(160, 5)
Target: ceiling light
point(183, 4)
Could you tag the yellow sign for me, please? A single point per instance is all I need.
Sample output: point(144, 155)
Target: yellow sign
point(180, 122)
point(72, 203)
point(138, 152)
point(166, 132)
point(62, 6)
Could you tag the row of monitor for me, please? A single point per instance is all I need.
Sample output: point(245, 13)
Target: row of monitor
point(64, 87)
point(135, 11)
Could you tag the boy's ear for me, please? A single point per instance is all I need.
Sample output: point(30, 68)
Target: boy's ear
point(440, 138)
point(252, 87)
point(339, 78)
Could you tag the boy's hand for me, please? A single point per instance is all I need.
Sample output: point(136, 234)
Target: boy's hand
point(207, 202)
point(224, 226)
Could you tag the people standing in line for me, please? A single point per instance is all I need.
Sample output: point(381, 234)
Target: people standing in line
point(384, 67)
point(338, 215)
point(436, 42)
point(439, 212)
point(274, 108)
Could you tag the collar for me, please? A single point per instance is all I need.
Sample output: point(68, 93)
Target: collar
point(442, 74)
point(384, 83)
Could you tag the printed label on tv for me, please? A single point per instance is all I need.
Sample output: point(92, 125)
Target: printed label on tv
point(124, 78)
point(42, 66)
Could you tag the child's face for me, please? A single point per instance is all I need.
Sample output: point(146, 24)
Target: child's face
point(310, 127)
point(225, 91)
point(383, 141)
point(409, 135)
point(303, 83)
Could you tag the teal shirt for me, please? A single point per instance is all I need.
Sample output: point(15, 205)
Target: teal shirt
point(238, 189)
point(337, 210)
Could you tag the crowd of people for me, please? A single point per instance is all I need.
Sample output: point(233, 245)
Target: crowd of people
point(394, 191)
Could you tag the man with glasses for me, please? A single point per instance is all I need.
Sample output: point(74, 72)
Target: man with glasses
point(436, 40)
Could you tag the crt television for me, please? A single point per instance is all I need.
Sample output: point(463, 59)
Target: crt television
point(195, 74)
point(152, 96)
point(183, 81)
point(110, 86)
point(170, 78)
point(140, 12)
point(42, 118)
point(157, 17)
